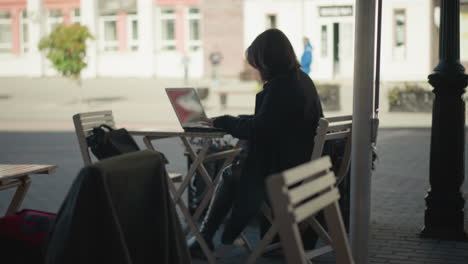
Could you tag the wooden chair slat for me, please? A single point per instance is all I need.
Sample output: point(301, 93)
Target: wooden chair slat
point(311, 188)
point(97, 119)
point(340, 118)
point(307, 209)
point(337, 135)
point(87, 133)
point(94, 114)
point(90, 126)
point(304, 171)
point(340, 127)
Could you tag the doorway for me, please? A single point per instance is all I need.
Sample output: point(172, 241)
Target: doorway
point(336, 50)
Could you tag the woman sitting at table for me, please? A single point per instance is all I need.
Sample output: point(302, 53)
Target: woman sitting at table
point(280, 135)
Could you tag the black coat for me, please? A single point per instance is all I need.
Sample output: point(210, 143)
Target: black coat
point(280, 135)
point(119, 211)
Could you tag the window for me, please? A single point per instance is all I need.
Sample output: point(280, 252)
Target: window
point(76, 16)
point(399, 25)
point(271, 21)
point(132, 29)
point(24, 31)
point(324, 41)
point(54, 19)
point(168, 18)
point(5, 32)
point(194, 17)
point(108, 30)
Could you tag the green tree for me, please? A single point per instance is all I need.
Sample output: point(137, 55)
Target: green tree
point(66, 49)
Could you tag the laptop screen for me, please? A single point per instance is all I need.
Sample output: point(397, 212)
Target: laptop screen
point(186, 104)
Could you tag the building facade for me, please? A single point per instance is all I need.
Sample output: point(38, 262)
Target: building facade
point(409, 34)
point(141, 38)
point(157, 38)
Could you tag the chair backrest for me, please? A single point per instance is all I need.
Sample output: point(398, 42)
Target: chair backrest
point(339, 127)
point(299, 193)
point(84, 124)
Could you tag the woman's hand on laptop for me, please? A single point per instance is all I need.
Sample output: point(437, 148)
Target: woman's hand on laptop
point(207, 122)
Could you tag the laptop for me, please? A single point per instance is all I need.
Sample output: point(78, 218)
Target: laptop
point(189, 110)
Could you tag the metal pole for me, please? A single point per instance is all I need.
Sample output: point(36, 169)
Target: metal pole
point(444, 216)
point(362, 125)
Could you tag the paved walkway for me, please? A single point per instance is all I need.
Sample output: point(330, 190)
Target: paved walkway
point(44, 104)
point(399, 185)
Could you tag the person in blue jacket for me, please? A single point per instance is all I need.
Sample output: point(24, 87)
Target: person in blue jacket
point(306, 58)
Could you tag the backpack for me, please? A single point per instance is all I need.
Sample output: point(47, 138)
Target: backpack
point(106, 142)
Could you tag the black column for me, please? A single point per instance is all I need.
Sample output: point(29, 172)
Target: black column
point(444, 201)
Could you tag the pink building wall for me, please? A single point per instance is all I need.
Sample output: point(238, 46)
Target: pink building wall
point(16, 6)
point(15, 31)
point(122, 31)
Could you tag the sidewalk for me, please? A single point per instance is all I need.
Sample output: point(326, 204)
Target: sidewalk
point(399, 186)
point(44, 104)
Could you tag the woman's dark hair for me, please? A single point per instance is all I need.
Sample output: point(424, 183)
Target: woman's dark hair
point(272, 54)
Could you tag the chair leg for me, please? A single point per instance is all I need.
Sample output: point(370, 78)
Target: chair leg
point(338, 234)
point(193, 227)
point(267, 238)
point(19, 196)
point(319, 229)
point(246, 243)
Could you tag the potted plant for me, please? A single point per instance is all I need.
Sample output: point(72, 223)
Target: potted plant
point(411, 97)
point(65, 47)
point(329, 96)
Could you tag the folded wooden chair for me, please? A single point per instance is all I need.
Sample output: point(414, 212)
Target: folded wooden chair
point(299, 193)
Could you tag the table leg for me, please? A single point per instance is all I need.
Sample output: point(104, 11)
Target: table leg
point(193, 226)
point(197, 164)
point(19, 196)
point(211, 185)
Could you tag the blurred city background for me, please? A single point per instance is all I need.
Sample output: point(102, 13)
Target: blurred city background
point(142, 46)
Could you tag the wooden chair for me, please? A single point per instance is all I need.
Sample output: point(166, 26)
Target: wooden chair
point(299, 193)
point(332, 128)
point(84, 124)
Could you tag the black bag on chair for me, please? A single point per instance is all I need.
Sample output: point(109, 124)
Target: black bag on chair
point(106, 142)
